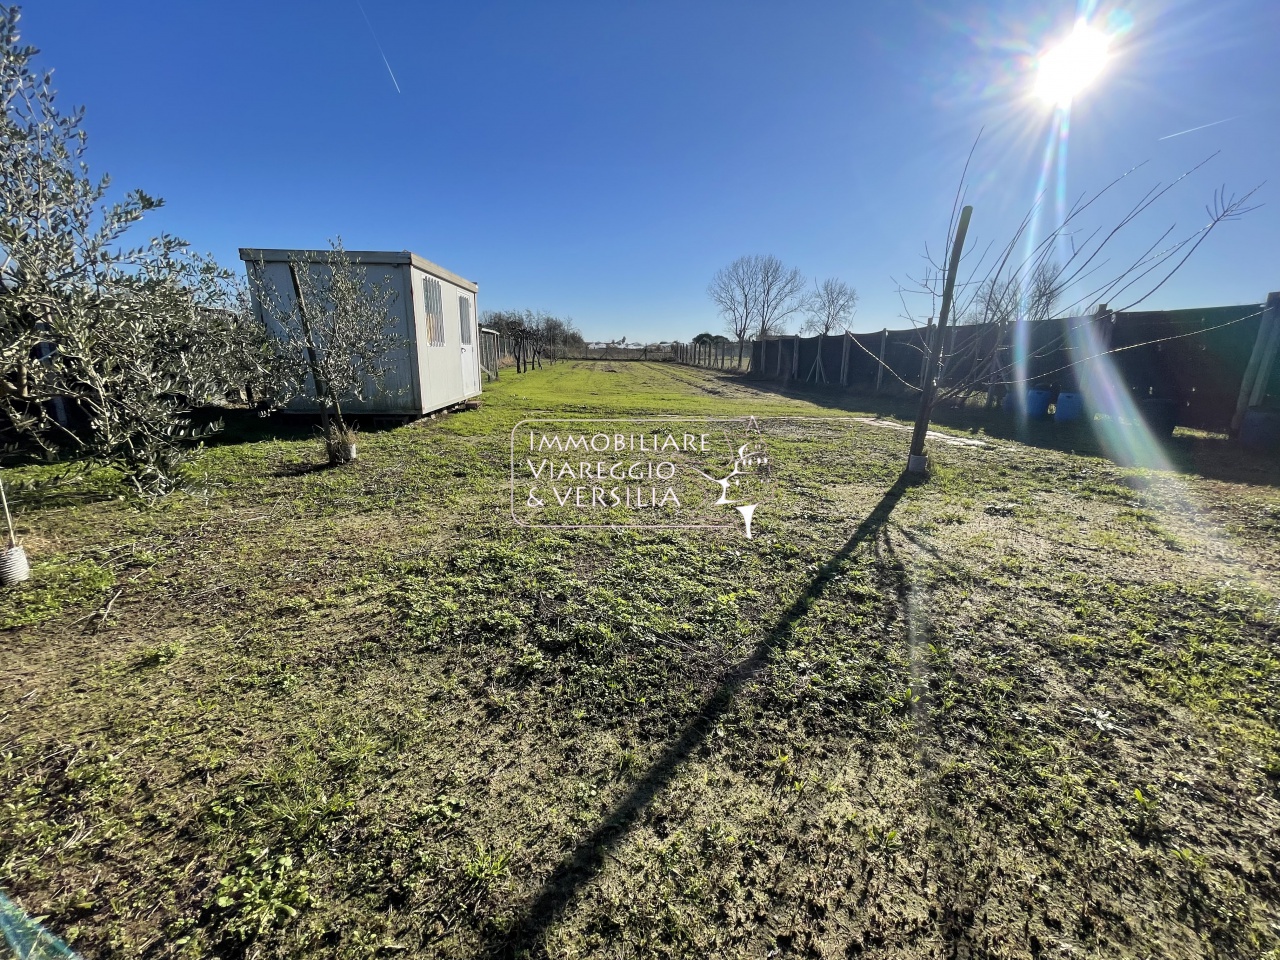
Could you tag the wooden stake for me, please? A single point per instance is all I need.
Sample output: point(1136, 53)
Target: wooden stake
point(1269, 354)
point(7, 519)
point(1265, 327)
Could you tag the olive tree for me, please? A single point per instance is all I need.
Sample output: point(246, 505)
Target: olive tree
point(334, 332)
point(105, 348)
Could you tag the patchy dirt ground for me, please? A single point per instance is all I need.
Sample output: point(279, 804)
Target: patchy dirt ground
point(1025, 709)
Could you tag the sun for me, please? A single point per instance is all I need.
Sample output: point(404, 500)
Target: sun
point(1065, 70)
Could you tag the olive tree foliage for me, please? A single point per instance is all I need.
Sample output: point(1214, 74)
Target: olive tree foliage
point(756, 294)
point(829, 307)
point(105, 348)
point(334, 330)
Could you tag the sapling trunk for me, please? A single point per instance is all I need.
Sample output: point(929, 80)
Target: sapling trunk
point(337, 414)
point(929, 386)
point(322, 386)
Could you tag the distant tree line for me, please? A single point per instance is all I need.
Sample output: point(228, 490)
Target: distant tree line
point(708, 338)
point(534, 337)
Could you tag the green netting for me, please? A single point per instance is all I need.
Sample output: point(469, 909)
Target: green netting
point(25, 938)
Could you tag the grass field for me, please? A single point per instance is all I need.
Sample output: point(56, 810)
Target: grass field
point(1028, 708)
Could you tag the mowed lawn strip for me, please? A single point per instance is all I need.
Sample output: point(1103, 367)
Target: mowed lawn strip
point(1027, 708)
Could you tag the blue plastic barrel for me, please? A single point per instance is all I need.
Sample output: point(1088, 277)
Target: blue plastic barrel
point(1260, 429)
point(1070, 407)
point(1038, 403)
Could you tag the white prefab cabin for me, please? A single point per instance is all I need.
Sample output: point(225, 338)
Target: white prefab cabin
point(434, 312)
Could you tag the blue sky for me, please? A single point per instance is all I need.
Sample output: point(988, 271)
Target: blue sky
point(603, 160)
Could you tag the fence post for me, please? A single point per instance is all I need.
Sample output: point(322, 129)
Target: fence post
point(795, 357)
point(884, 342)
point(1254, 382)
point(844, 359)
point(1268, 358)
point(995, 365)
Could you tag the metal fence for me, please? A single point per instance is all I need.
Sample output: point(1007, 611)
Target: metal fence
point(720, 355)
point(1199, 359)
point(505, 349)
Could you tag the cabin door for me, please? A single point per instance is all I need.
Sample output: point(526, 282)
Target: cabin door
point(470, 376)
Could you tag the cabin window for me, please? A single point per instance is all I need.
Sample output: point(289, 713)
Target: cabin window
point(435, 311)
point(464, 311)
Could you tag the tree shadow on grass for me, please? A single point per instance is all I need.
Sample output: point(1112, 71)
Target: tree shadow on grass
point(525, 936)
point(303, 469)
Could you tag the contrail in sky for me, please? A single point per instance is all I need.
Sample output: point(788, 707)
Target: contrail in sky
point(1194, 129)
point(379, 46)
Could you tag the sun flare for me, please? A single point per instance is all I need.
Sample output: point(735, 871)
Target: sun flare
point(1065, 70)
